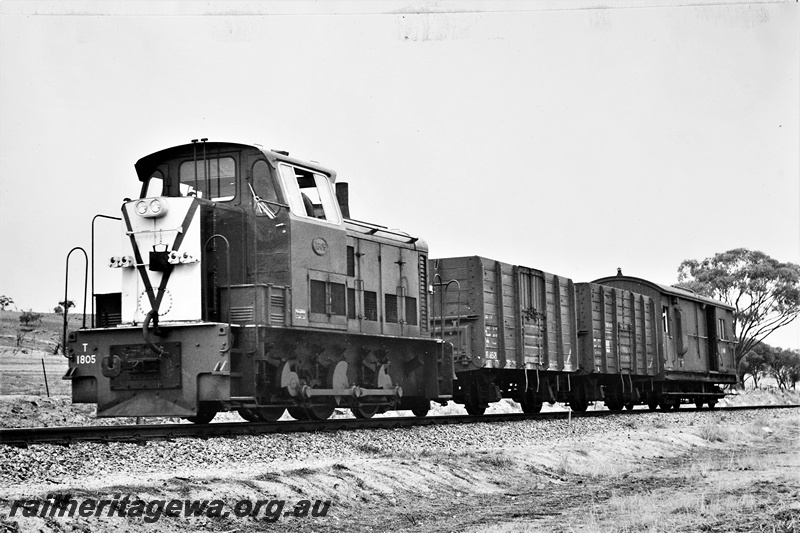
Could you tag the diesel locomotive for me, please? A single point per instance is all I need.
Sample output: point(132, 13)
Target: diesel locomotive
point(246, 286)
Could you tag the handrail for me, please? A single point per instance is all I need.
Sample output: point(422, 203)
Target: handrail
point(85, 290)
point(228, 271)
point(375, 229)
point(92, 262)
point(445, 286)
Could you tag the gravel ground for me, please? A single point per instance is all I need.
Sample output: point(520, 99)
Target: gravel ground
point(55, 464)
point(419, 472)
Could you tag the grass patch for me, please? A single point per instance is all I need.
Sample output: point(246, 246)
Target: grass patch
point(714, 432)
point(304, 471)
point(369, 448)
point(497, 461)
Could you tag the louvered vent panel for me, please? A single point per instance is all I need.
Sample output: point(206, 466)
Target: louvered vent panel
point(277, 309)
point(242, 315)
point(423, 292)
point(109, 320)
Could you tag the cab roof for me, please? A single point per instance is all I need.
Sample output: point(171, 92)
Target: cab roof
point(146, 165)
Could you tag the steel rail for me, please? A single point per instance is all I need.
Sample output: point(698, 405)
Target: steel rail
point(23, 437)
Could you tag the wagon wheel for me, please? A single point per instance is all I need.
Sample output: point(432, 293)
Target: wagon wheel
point(667, 406)
point(531, 402)
point(698, 402)
point(365, 410)
point(473, 402)
point(652, 405)
point(614, 400)
point(578, 401)
point(712, 404)
point(421, 409)
point(629, 406)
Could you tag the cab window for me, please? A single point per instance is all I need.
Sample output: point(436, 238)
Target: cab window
point(155, 185)
point(309, 194)
point(220, 183)
point(262, 182)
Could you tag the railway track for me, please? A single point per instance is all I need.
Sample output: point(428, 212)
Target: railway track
point(142, 433)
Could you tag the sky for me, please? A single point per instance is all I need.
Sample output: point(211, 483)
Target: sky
point(560, 136)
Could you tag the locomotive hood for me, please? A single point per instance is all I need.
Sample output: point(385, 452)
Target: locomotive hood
point(162, 273)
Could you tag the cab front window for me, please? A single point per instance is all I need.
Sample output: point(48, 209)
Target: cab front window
point(155, 185)
point(213, 179)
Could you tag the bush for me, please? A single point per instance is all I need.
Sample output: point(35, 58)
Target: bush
point(29, 318)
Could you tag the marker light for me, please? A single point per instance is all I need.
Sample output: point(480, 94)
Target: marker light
point(141, 208)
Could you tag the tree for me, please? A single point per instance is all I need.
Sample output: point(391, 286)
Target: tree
point(785, 367)
point(67, 304)
point(5, 301)
point(756, 362)
point(764, 292)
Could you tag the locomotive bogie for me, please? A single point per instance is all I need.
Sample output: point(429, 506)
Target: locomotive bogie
point(295, 368)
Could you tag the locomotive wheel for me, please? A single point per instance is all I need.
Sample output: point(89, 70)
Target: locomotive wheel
point(652, 405)
point(629, 406)
point(298, 413)
point(204, 415)
point(364, 411)
point(531, 402)
point(247, 414)
point(269, 414)
point(320, 411)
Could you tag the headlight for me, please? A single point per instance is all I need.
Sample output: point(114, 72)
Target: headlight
point(151, 208)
